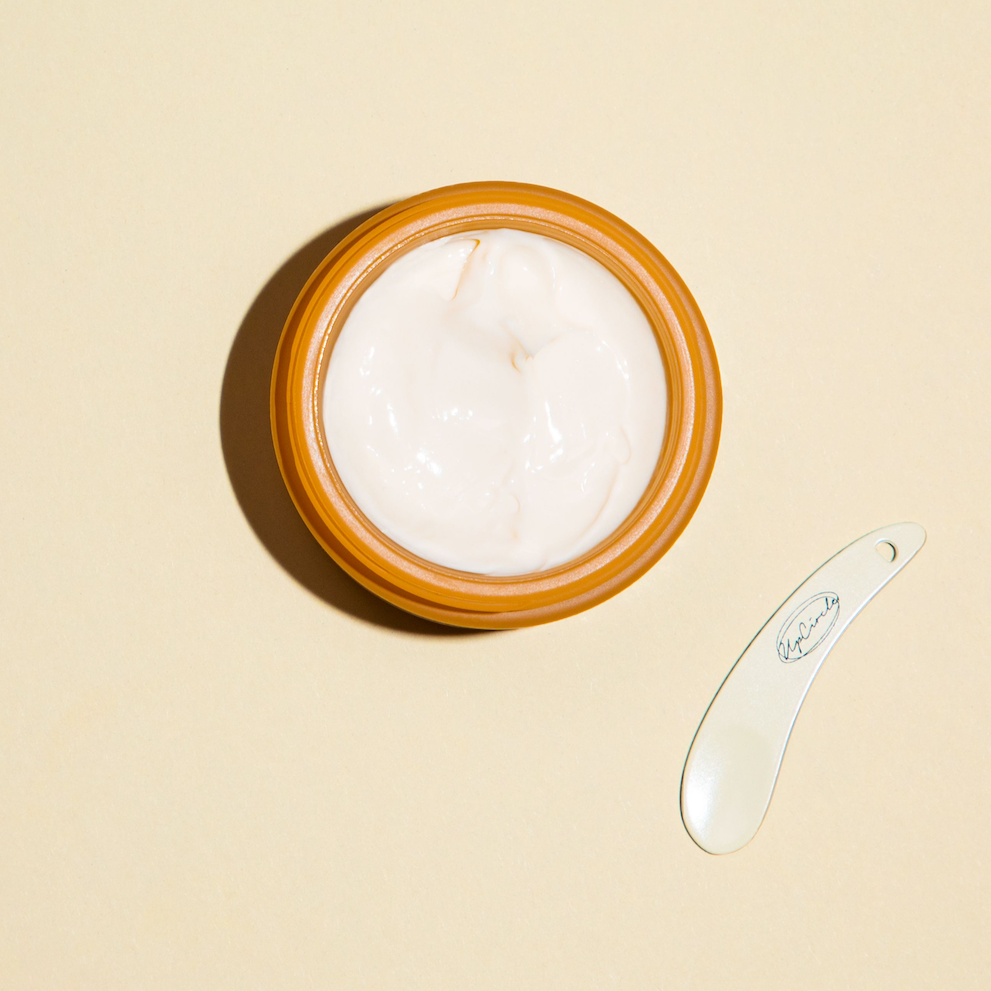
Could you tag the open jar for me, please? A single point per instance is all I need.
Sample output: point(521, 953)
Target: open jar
point(391, 570)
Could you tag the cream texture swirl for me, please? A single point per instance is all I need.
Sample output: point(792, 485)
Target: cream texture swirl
point(496, 402)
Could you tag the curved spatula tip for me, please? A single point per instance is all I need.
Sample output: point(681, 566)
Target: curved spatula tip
point(728, 781)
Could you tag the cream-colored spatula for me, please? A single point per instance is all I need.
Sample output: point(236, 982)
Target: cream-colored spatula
point(735, 757)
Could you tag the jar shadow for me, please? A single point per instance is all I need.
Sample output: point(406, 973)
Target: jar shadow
point(249, 454)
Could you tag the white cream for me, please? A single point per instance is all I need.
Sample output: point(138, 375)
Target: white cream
point(496, 402)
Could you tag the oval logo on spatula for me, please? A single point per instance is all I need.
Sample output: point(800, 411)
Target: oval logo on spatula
point(808, 626)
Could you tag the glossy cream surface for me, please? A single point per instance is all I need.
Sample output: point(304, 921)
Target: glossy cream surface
point(496, 402)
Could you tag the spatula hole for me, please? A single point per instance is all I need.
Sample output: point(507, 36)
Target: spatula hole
point(886, 549)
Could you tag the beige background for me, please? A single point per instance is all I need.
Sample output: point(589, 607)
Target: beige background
point(218, 773)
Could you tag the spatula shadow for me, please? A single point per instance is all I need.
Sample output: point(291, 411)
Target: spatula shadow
point(249, 455)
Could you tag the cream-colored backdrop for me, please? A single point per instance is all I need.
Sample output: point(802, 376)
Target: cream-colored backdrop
point(219, 773)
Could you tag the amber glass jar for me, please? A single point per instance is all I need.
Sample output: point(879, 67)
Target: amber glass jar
point(456, 597)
